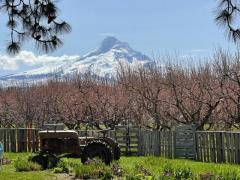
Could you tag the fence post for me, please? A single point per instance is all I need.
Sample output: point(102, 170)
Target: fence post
point(13, 140)
point(139, 151)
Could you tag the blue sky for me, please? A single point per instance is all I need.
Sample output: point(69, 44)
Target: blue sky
point(150, 26)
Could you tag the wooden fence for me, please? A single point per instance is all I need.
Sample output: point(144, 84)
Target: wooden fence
point(132, 141)
point(19, 140)
point(156, 143)
point(219, 147)
point(185, 142)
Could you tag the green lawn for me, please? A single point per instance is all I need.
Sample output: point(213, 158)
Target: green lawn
point(8, 172)
point(157, 165)
point(131, 166)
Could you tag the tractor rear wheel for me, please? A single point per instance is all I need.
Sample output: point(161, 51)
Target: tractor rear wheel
point(117, 152)
point(114, 145)
point(97, 149)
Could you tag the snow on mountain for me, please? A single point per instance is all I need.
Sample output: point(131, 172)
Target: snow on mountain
point(103, 62)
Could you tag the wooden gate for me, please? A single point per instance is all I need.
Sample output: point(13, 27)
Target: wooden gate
point(127, 138)
point(185, 146)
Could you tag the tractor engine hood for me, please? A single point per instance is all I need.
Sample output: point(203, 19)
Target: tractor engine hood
point(58, 134)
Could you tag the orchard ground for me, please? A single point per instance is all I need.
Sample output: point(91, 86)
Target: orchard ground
point(131, 168)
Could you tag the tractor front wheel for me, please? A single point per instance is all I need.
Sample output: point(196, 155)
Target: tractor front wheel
point(45, 160)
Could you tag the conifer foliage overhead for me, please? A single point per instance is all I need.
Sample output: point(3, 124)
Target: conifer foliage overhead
point(227, 16)
point(33, 19)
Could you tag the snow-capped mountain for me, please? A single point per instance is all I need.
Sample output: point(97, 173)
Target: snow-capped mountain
point(103, 62)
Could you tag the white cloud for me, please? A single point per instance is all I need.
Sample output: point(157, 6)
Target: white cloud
point(29, 59)
point(7, 64)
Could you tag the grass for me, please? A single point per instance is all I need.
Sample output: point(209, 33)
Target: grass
point(130, 166)
point(8, 172)
point(22, 165)
point(156, 166)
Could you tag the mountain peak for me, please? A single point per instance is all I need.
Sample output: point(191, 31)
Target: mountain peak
point(103, 62)
point(111, 42)
point(108, 44)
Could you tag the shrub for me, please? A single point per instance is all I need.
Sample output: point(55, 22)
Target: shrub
point(183, 173)
point(116, 169)
point(143, 170)
point(107, 175)
point(63, 165)
point(22, 164)
point(168, 170)
point(84, 171)
point(57, 170)
point(72, 164)
point(93, 170)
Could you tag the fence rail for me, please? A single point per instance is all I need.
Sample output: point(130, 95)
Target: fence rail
point(205, 146)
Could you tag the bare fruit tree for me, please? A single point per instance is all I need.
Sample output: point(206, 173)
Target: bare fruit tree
point(228, 68)
point(193, 94)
